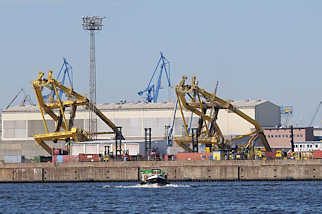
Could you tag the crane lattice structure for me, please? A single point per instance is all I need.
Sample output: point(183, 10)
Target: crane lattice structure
point(26, 98)
point(152, 90)
point(207, 106)
point(56, 111)
point(286, 114)
point(65, 72)
point(315, 114)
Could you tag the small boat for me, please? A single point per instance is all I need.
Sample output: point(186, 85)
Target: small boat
point(154, 176)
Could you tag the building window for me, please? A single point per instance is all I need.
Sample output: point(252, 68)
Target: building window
point(295, 146)
point(286, 135)
point(297, 135)
point(275, 135)
point(279, 136)
point(283, 136)
point(300, 146)
point(316, 146)
point(301, 135)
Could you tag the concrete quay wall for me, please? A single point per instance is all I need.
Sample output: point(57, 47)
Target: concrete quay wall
point(176, 170)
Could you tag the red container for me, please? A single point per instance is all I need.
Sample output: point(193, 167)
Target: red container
point(195, 156)
point(89, 157)
point(270, 154)
point(317, 154)
point(70, 158)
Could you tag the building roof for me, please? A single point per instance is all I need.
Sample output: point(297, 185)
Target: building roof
point(308, 142)
point(287, 128)
point(248, 103)
point(132, 106)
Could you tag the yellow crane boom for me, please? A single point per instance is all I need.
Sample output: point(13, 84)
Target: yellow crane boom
point(69, 133)
point(199, 101)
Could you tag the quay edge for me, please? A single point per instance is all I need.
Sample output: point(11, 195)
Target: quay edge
point(235, 170)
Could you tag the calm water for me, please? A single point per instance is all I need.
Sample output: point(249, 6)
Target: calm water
point(203, 197)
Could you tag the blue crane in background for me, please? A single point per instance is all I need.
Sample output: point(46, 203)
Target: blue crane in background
point(152, 89)
point(65, 71)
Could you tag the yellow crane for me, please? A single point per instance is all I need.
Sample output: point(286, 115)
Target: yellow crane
point(56, 110)
point(207, 105)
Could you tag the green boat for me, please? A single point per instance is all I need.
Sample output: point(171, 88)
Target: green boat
point(154, 176)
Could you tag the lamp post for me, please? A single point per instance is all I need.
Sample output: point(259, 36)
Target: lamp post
point(92, 24)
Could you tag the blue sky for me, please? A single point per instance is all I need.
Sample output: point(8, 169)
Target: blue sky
point(255, 49)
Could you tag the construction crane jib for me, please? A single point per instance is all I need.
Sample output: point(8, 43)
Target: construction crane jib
point(206, 106)
point(56, 110)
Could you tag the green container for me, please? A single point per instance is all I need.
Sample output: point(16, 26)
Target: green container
point(45, 158)
point(37, 159)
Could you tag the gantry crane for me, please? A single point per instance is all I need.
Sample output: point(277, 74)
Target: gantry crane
point(65, 72)
point(26, 98)
point(207, 106)
point(152, 90)
point(315, 113)
point(56, 110)
point(286, 113)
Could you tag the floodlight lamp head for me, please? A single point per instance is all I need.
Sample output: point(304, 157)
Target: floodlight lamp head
point(92, 22)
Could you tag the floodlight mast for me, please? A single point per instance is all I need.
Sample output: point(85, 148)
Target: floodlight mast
point(92, 24)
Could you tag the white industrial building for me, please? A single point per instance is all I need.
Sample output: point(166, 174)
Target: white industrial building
point(21, 123)
point(307, 146)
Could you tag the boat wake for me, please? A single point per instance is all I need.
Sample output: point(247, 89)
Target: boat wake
point(148, 186)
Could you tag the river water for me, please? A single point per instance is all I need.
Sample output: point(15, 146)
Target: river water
point(178, 197)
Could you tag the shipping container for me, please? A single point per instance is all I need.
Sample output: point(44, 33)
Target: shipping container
point(45, 159)
point(14, 159)
point(70, 158)
point(89, 157)
point(59, 158)
point(317, 154)
point(37, 159)
point(64, 158)
point(183, 156)
point(270, 154)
